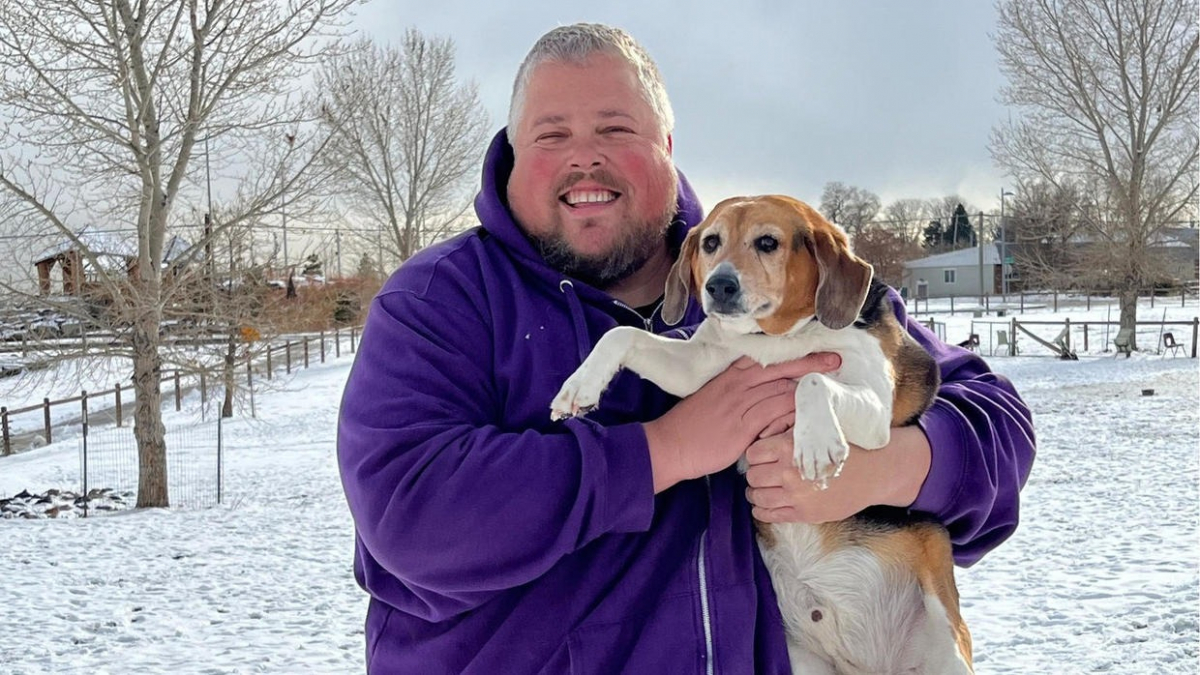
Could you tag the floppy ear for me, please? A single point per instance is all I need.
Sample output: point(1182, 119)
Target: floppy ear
point(844, 281)
point(679, 281)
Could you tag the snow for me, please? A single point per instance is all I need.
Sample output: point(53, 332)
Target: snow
point(1100, 577)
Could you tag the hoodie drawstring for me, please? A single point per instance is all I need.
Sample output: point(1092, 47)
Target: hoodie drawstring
point(582, 343)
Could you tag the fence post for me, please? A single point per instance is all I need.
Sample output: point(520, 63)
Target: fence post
point(178, 398)
point(287, 355)
point(117, 389)
point(1085, 336)
point(1195, 333)
point(1056, 301)
point(1067, 342)
point(305, 351)
point(337, 342)
point(203, 391)
point(322, 346)
point(1012, 343)
point(83, 406)
point(351, 339)
point(1088, 295)
point(268, 362)
point(46, 409)
point(1151, 297)
point(4, 423)
point(1022, 310)
point(952, 305)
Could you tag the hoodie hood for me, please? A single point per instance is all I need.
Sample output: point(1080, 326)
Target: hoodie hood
point(491, 206)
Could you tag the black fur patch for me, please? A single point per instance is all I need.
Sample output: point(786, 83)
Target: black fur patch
point(873, 307)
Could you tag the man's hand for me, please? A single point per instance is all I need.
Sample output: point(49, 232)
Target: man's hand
point(891, 476)
point(709, 430)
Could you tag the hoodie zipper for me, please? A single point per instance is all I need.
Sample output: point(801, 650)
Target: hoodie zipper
point(701, 566)
point(705, 610)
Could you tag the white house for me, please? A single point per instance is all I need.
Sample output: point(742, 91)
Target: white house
point(954, 274)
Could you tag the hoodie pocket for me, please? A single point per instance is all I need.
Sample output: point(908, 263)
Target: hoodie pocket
point(666, 642)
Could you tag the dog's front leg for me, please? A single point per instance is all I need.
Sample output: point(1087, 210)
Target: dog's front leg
point(829, 416)
point(678, 367)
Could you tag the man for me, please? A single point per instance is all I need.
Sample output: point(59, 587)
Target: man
point(493, 540)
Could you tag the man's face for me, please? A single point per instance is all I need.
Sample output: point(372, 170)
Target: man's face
point(593, 184)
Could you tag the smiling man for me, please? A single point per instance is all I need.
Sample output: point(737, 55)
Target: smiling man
point(494, 540)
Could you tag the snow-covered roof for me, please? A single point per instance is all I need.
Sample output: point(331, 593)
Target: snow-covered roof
point(111, 244)
point(961, 258)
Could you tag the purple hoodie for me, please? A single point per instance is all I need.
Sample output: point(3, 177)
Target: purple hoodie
point(493, 540)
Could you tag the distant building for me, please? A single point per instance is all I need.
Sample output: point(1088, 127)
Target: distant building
point(115, 252)
point(954, 274)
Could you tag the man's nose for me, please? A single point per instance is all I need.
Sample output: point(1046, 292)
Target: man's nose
point(722, 288)
point(586, 155)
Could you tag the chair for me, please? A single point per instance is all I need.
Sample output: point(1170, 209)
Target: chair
point(1124, 342)
point(1002, 341)
point(1170, 345)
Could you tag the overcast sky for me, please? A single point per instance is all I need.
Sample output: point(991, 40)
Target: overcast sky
point(895, 97)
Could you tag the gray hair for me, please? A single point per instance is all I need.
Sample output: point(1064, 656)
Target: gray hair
point(578, 42)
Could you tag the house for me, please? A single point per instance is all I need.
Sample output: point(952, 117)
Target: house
point(114, 251)
point(954, 274)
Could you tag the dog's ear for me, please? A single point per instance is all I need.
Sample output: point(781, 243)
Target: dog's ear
point(844, 277)
point(679, 281)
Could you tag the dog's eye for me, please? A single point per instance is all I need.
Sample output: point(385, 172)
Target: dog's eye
point(711, 243)
point(766, 243)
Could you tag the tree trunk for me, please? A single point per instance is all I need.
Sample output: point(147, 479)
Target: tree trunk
point(148, 428)
point(1128, 303)
point(230, 382)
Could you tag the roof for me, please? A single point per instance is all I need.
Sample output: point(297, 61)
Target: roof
point(110, 244)
point(965, 257)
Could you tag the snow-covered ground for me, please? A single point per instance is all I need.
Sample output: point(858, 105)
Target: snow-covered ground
point(1102, 575)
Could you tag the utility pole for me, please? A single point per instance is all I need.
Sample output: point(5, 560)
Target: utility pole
point(337, 236)
point(1003, 246)
point(979, 241)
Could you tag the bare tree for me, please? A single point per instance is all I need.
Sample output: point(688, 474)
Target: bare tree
point(409, 139)
point(887, 248)
point(104, 102)
point(849, 206)
point(1105, 94)
point(910, 216)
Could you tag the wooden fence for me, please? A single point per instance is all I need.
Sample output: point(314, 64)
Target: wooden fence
point(293, 354)
point(1018, 301)
point(1071, 335)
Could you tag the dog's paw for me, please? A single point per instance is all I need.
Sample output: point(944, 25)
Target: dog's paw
point(581, 393)
point(820, 453)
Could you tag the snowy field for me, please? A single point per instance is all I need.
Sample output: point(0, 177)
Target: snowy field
point(1101, 577)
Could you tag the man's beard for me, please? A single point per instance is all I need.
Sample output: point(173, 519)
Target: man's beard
point(635, 246)
point(605, 270)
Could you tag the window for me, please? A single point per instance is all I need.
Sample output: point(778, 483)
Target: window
point(948, 276)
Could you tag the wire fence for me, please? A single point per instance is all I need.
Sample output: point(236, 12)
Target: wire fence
point(109, 466)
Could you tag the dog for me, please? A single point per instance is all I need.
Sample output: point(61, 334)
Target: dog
point(871, 594)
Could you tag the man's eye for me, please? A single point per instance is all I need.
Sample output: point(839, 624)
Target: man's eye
point(617, 130)
point(550, 137)
point(711, 243)
point(766, 243)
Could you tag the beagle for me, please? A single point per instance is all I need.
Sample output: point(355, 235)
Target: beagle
point(871, 594)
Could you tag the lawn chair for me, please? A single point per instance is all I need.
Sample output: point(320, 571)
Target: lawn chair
point(1003, 342)
point(1124, 342)
point(1170, 345)
point(971, 343)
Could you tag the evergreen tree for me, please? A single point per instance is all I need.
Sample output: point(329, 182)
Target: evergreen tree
point(933, 236)
point(961, 234)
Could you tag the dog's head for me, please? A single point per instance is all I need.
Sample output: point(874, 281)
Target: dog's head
point(765, 264)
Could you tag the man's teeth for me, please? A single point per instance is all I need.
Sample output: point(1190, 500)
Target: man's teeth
point(589, 196)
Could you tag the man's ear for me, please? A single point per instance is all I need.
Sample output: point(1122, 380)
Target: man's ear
point(844, 278)
point(679, 281)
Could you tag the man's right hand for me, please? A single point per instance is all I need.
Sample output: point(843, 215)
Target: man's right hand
point(709, 430)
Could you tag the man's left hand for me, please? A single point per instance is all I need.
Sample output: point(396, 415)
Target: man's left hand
point(891, 475)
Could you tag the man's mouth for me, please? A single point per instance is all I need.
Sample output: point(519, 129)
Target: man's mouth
point(575, 198)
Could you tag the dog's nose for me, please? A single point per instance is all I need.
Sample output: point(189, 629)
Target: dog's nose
point(723, 288)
